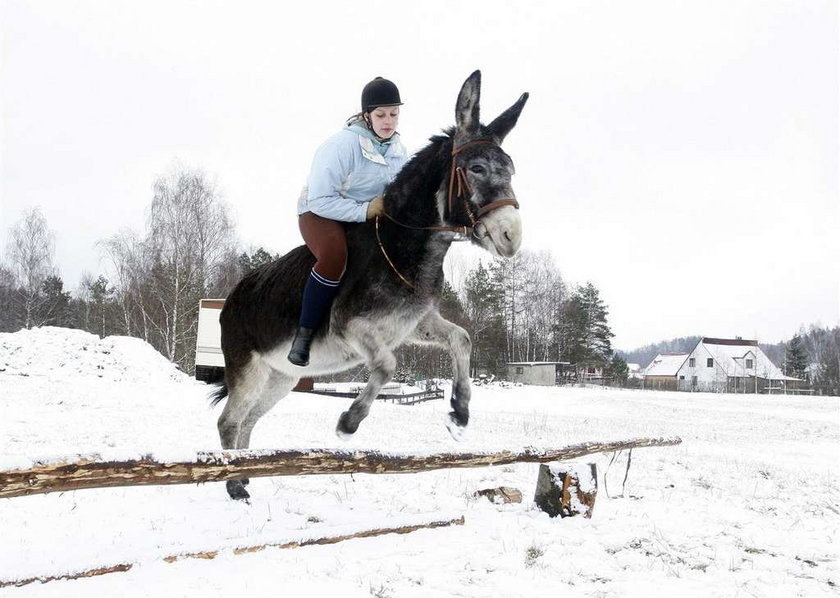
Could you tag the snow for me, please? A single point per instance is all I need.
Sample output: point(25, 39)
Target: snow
point(747, 505)
point(65, 353)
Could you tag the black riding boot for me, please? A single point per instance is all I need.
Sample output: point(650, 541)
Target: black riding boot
point(299, 354)
point(318, 295)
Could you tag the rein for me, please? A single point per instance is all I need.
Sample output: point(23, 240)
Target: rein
point(457, 178)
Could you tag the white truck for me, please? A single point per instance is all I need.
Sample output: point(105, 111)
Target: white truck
point(209, 361)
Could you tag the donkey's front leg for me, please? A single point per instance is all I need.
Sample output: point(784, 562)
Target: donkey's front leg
point(435, 330)
point(382, 365)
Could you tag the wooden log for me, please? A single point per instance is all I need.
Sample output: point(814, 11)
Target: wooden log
point(218, 466)
point(500, 495)
point(211, 554)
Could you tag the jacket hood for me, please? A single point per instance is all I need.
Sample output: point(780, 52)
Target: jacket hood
point(358, 127)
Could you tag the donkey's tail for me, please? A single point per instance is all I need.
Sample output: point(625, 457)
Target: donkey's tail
point(219, 395)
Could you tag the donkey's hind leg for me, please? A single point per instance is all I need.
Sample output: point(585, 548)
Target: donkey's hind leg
point(275, 388)
point(382, 363)
point(435, 330)
point(245, 387)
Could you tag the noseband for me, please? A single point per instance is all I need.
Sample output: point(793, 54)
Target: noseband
point(457, 178)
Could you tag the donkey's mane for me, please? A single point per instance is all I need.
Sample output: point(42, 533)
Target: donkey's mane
point(410, 196)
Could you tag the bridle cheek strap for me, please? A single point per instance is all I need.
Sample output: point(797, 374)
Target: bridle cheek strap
point(459, 186)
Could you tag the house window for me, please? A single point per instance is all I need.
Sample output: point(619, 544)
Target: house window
point(691, 362)
point(518, 370)
point(694, 380)
point(749, 364)
point(682, 377)
point(710, 363)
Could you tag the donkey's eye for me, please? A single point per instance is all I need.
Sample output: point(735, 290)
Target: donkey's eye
point(478, 169)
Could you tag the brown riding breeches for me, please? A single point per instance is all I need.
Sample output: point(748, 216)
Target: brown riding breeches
point(327, 241)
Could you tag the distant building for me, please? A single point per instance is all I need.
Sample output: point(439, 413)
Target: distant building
point(732, 365)
point(719, 365)
point(661, 373)
point(539, 373)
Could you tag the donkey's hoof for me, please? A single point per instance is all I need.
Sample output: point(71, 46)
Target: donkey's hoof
point(236, 490)
point(345, 428)
point(456, 430)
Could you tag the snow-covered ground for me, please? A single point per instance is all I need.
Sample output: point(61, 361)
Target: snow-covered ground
point(748, 505)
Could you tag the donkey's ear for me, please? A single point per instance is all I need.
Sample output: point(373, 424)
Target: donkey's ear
point(503, 124)
point(466, 110)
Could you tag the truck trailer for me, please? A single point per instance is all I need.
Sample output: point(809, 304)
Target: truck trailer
point(209, 361)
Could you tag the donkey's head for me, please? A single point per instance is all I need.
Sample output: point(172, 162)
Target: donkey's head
point(479, 191)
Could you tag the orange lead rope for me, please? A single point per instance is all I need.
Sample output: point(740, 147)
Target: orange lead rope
point(388, 259)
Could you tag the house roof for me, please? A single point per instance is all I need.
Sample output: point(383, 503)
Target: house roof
point(739, 342)
point(731, 356)
point(538, 363)
point(666, 364)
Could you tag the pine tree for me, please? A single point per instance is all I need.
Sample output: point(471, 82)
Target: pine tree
point(55, 309)
point(596, 334)
point(102, 297)
point(583, 332)
point(256, 259)
point(571, 330)
point(485, 319)
point(796, 358)
point(618, 370)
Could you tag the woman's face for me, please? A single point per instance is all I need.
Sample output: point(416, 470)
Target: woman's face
point(384, 120)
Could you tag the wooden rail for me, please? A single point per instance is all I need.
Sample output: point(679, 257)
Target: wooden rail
point(217, 466)
point(403, 399)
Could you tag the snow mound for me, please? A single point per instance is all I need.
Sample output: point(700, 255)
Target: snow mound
point(64, 352)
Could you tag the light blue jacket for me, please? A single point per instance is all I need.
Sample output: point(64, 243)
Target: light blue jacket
point(350, 169)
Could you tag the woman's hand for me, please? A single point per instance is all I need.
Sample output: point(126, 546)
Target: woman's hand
point(375, 208)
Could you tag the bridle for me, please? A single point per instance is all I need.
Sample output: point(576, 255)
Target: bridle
point(459, 187)
point(458, 177)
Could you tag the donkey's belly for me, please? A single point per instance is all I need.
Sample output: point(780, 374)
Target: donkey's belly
point(344, 349)
point(328, 356)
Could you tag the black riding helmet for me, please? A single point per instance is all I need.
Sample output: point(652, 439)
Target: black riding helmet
point(380, 92)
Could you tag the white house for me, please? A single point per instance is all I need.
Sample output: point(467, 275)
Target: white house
point(731, 365)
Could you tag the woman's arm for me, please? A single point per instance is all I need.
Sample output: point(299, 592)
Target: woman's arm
point(329, 176)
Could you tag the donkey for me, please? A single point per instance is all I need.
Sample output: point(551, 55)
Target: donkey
point(459, 183)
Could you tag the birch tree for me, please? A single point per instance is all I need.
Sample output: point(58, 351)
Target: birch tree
point(188, 242)
point(31, 248)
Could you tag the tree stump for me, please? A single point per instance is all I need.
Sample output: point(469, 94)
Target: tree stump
point(567, 490)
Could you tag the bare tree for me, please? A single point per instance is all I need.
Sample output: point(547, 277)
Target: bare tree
point(31, 247)
point(190, 236)
point(131, 264)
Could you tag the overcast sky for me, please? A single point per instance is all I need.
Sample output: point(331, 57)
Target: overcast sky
point(683, 156)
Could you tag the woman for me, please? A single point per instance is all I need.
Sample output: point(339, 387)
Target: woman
point(349, 174)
